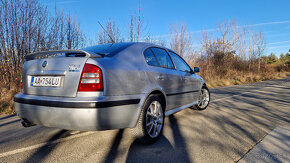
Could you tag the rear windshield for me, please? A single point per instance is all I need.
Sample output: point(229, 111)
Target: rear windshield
point(108, 49)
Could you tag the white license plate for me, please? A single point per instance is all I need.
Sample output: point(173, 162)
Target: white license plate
point(45, 81)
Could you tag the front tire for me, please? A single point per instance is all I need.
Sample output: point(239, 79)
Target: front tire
point(203, 99)
point(151, 121)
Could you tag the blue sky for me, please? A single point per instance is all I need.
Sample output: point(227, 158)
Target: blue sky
point(272, 17)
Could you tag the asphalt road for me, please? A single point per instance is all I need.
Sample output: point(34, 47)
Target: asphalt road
point(237, 119)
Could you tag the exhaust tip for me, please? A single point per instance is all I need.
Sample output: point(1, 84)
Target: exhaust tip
point(26, 123)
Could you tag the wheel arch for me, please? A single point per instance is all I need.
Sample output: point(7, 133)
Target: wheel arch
point(139, 131)
point(162, 96)
point(152, 92)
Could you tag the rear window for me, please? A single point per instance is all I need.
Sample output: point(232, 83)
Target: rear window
point(108, 50)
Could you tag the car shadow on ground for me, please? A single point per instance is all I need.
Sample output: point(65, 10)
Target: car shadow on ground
point(41, 153)
point(113, 153)
point(10, 122)
point(249, 118)
point(162, 150)
point(7, 116)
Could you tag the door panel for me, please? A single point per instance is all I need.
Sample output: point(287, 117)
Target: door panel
point(189, 81)
point(170, 80)
point(192, 84)
point(162, 72)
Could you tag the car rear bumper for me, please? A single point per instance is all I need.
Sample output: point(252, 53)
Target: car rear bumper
point(79, 114)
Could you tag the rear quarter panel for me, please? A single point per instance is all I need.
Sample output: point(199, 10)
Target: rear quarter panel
point(124, 73)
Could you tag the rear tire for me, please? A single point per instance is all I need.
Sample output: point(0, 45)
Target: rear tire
point(151, 121)
point(203, 99)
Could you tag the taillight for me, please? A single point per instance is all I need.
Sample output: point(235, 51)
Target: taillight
point(91, 79)
point(21, 83)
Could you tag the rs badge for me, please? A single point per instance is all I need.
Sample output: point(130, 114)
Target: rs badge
point(74, 68)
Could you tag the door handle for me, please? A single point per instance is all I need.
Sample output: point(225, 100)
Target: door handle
point(160, 77)
point(185, 79)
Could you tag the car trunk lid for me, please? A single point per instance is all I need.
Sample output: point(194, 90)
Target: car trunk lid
point(53, 73)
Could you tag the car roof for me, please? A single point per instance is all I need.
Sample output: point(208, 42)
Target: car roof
point(110, 49)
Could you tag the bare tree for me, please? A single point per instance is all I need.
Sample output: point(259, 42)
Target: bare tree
point(252, 47)
point(18, 22)
point(180, 39)
point(225, 29)
point(131, 28)
point(156, 40)
point(26, 27)
point(74, 36)
point(205, 45)
point(260, 44)
point(137, 26)
point(239, 41)
point(111, 30)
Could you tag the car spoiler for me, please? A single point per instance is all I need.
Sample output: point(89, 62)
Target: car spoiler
point(66, 52)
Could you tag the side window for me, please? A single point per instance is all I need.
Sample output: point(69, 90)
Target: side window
point(163, 58)
point(150, 58)
point(179, 62)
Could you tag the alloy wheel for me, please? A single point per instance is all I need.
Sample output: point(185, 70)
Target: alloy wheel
point(203, 99)
point(154, 119)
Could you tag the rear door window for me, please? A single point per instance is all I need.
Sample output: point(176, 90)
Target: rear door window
point(150, 58)
point(163, 58)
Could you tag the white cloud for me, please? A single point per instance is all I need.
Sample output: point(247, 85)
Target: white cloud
point(280, 42)
point(269, 23)
point(281, 46)
point(214, 29)
point(66, 2)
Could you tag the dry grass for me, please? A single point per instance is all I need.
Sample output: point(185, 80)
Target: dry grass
point(248, 78)
point(6, 107)
point(6, 101)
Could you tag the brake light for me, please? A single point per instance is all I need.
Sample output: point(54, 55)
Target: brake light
point(91, 79)
point(21, 83)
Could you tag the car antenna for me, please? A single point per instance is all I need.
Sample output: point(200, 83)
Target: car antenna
point(113, 41)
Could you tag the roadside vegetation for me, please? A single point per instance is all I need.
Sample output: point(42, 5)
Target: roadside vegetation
point(229, 54)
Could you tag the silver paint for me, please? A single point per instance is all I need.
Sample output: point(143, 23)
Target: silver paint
point(126, 75)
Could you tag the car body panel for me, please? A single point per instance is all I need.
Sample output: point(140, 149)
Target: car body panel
point(128, 80)
point(170, 82)
point(78, 113)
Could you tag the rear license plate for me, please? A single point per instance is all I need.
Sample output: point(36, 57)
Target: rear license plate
point(45, 81)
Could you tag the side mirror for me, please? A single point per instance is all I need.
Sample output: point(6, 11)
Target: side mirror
point(196, 69)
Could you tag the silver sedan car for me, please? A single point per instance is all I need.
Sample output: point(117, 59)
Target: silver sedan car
point(109, 86)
